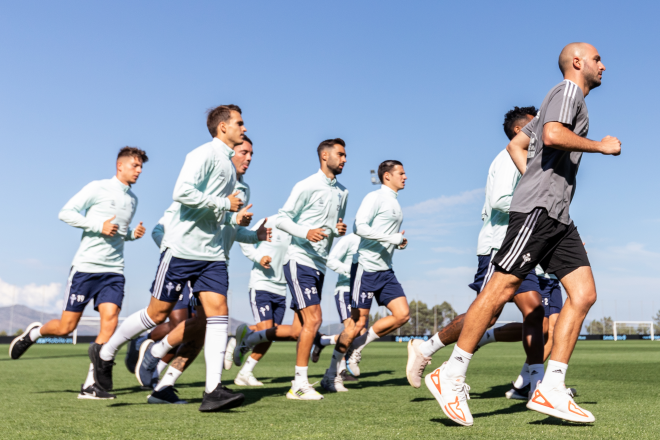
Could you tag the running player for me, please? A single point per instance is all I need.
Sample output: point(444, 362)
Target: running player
point(97, 271)
point(547, 152)
point(205, 194)
point(377, 223)
point(313, 217)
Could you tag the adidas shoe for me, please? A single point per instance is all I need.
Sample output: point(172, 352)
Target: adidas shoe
point(452, 395)
point(133, 352)
point(305, 392)
point(317, 348)
point(417, 362)
point(518, 393)
point(353, 363)
point(222, 398)
point(94, 392)
point(146, 364)
point(345, 377)
point(247, 380)
point(166, 395)
point(242, 349)
point(229, 353)
point(333, 384)
point(557, 402)
point(21, 343)
point(102, 369)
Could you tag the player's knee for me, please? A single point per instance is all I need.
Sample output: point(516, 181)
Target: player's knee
point(585, 300)
point(402, 319)
point(535, 316)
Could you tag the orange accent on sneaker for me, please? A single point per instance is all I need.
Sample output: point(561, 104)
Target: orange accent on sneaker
point(454, 411)
point(435, 378)
point(576, 409)
point(540, 399)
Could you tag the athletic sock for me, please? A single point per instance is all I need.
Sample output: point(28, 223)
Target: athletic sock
point(362, 341)
point(161, 366)
point(535, 374)
point(428, 348)
point(556, 376)
point(328, 340)
point(487, 338)
point(215, 345)
point(131, 327)
point(300, 378)
point(523, 377)
point(160, 349)
point(458, 362)
point(256, 338)
point(335, 364)
point(35, 333)
point(250, 363)
point(169, 379)
point(342, 366)
point(90, 377)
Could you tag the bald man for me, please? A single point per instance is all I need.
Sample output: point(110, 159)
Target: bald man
point(547, 153)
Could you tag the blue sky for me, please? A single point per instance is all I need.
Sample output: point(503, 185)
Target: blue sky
point(426, 83)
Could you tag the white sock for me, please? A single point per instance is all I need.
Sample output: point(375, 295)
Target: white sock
point(161, 366)
point(256, 338)
point(35, 333)
point(160, 349)
point(300, 378)
point(215, 345)
point(169, 379)
point(342, 366)
point(360, 342)
point(523, 377)
point(428, 348)
point(535, 374)
point(336, 363)
point(249, 366)
point(556, 376)
point(130, 328)
point(458, 363)
point(487, 338)
point(328, 340)
point(90, 377)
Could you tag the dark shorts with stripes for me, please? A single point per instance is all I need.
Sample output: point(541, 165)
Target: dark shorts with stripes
point(534, 238)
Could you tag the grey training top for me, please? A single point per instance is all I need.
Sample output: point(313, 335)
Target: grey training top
point(549, 181)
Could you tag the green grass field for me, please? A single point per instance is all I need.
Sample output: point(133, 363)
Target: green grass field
point(617, 381)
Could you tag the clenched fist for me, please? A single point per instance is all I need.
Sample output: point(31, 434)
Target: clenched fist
point(109, 229)
point(139, 231)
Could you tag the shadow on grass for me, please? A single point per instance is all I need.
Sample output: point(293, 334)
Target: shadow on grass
point(422, 399)
point(519, 407)
point(496, 392)
point(559, 422)
point(448, 423)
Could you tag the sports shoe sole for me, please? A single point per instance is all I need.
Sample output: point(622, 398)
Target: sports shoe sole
point(409, 365)
point(17, 338)
point(143, 349)
point(90, 397)
point(293, 396)
point(234, 402)
point(559, 414)
point(438, 396)
point(242, 383)
point(156, 400)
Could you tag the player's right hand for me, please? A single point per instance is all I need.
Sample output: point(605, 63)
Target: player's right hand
point(610, 145)
point(243, 218)
point(316, 235)
point(404, 243)
point(109, 229)
point(236, 203)
point(265, 261)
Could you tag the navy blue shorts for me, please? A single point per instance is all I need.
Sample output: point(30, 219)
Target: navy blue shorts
point(107, 287)
point(549, 289)
point(305, 284)
point(366, 285)
point(174, 273)
point(267, 306)
point(184, 298)
point(343, 302)
point(480, 276)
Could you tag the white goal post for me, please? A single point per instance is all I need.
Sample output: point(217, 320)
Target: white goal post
point(649, 323)
point(88, 321)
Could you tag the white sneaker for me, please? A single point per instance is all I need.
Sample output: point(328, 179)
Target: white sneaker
point(523, 393)
point(417, 362)
point(353, 363)
point(452, 395)
point(305, 392)
point(247, 380)
point(242, 349)
point(333, 384)
point(557, 402)
point(229, 354)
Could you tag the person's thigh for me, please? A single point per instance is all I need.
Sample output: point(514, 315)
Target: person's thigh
point(390, 290)
point(399, 306)
point(111, 290)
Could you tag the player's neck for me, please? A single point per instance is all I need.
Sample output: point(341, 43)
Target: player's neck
point(122, 180)
point(390, 186)
point(223, 138)
point(328, 173)
point(581, 83)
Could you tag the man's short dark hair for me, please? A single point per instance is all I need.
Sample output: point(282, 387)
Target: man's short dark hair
point(248, 140)
point(329, 143)
point(387, 167)
point(516, 117)
point(221, 113)
point(133, 152)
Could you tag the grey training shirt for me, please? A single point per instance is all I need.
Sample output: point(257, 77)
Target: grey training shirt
point(549, 181)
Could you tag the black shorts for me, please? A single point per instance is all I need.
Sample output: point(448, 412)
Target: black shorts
point(534, 238)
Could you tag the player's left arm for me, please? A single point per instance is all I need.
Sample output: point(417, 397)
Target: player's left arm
point(517, 149)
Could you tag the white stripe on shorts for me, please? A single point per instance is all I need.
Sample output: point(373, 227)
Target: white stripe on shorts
point(342, 305)
point(300, 298)
point(68, 287)
point(521, 239)
point(160, 275)
point(357, 284)
point(253, 303)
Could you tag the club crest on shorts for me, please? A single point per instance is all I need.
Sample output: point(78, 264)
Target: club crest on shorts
point(526, 259)
point(169, 287)
point(308, 292)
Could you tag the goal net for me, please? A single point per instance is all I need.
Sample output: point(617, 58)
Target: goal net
point(644, 328)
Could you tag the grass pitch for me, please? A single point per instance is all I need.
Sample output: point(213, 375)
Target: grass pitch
point(617, 381)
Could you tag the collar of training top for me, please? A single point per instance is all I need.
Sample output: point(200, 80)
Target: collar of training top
point(223, 147)
point(387, 190)
point(325, 178)
point(123, 187)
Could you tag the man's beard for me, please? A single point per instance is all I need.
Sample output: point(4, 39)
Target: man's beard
point(336, 169)
point(592, 78)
